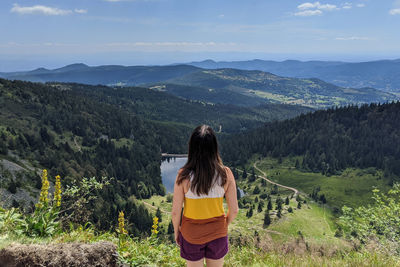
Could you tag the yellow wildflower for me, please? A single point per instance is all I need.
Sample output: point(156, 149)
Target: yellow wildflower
point(57, 192)
point(44, 193)
point(121, 223)
point(155, 226)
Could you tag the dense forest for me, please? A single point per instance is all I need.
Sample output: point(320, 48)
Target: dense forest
point(328, 140)
point(76, 137)
point(77, 131)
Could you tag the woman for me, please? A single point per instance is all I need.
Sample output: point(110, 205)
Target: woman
point(201, 186)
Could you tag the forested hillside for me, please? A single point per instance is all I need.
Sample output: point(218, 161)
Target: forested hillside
point(309, 92)
point(75, 137)
point(329, 140)
point(218, 86)
point(107, 74)
point(380, 74)
point(77, 131)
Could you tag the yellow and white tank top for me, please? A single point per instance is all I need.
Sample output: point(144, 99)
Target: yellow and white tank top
point(203, 217)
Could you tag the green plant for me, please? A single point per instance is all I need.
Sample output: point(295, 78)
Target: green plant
point(76, 198)
point(379, 221)
point(42, 223)
point(10, 221)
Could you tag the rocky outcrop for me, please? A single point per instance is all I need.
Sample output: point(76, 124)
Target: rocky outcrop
point(57, 255)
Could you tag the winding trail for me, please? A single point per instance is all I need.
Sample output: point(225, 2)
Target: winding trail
point(155, 208)
point(264, 176)
point(296, 192)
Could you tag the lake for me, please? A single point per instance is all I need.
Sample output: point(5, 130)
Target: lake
point(169, 169)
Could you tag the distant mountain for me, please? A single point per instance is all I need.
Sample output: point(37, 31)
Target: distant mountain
point(222, 86)
point(307, 92)
point(210, 94)
point(106, 75)
point(382, 74)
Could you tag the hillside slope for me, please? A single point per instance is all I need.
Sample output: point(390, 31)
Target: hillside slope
point(106, 75)
point(381, 74)
point(77, 131)
point(225, 86)
point(276, 89)
point(329, 141)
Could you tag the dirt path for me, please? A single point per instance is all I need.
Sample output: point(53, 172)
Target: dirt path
point(155, 208)
point(296, 192)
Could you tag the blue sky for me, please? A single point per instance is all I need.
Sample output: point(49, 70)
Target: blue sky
point(48, 33)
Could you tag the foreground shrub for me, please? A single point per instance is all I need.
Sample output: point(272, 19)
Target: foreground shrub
point(378, 223)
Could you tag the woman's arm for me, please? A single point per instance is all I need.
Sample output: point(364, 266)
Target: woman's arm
point(177, 203)
point(231, 196)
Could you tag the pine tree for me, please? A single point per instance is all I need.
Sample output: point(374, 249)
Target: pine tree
point(269, 206)
point(170, 228)
point(256, 190)
point(260, 206)
point(267, 219)
point(299, 205)
point(287, 201)
point(249, 213)
point(159, 215)
point(322, 198)
point(244, 175)
point(279, 214)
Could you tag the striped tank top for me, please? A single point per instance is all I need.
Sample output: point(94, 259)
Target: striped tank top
point(203, 217)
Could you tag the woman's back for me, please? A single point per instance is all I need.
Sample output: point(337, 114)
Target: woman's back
point(200, 186)
point(203, 217)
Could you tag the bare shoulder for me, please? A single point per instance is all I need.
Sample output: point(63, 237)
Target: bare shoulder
point(229, 174)
point(184, 183)
point(230, 179)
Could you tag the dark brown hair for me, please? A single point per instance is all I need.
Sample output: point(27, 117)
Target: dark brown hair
point(203, 161)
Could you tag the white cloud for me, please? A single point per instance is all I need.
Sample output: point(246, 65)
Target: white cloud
point(347, 5)
point(308, 5)
point(327, 7)
point(308, 13)
point(80, 11)
point(352, 38)
point(395, 11)
point(39, 9)
point(44, 10)
point(317, 5)
point(361, 5)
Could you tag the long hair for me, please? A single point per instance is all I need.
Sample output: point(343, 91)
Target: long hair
point(204, 161)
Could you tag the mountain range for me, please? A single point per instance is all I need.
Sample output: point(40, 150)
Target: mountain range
point(381, 74)
point(222, 86)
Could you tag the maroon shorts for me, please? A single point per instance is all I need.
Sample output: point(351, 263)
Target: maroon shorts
point(214, 249)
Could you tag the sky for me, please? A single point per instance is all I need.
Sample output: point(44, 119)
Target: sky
point(54, 33)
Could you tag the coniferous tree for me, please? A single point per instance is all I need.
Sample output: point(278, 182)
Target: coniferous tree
point(249, 213)
point(256, 190)
point(287, 200)
point(269, 205)
point(159, 215)
point(170, 228)
point(267, 219)
point(279, 213)
point(260, 206)
point(244, 174)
